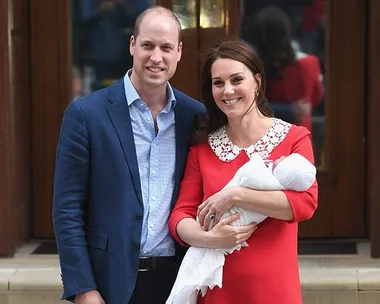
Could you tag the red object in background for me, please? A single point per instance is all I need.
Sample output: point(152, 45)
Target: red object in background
point(301, 80)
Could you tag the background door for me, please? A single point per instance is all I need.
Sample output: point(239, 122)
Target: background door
point(341, 172)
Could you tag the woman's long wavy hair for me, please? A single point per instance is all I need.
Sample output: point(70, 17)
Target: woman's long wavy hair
point(271, 34)
point(238, 50)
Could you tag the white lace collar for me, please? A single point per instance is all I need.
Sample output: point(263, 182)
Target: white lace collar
point(227, 151)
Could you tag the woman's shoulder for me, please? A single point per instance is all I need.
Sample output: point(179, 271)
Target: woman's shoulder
point(297, 132)
point(200, 147)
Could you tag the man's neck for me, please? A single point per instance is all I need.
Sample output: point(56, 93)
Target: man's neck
point(154, 97)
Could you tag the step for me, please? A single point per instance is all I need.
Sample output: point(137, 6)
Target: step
point(325, 279)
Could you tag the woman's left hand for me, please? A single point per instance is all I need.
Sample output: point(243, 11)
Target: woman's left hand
point(214, 207)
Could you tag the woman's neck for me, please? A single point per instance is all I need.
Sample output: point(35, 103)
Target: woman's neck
point(247, 131)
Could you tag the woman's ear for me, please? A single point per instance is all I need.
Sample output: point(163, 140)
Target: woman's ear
point(258, 80)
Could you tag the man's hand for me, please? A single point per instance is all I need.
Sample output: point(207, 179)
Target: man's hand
point(89, 297)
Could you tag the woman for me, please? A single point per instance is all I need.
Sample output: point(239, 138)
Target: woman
point(293, 78)
point(239, 125)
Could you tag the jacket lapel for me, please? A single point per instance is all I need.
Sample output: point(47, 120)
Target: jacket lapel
point(183, 128)
point(119, 114)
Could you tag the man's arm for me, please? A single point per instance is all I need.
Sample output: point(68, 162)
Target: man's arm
point(70, 194)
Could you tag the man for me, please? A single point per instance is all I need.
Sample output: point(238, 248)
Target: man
point(120, 157)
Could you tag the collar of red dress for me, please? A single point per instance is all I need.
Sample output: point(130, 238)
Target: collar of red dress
point(227, 151)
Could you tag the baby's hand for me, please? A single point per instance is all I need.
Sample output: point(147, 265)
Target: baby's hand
point(277, 161)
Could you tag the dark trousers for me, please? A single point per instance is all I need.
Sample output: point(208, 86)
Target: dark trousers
point(154, 281)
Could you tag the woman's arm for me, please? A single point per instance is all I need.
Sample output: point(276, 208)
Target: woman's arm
point(270, 203)
point(182, 224)
point(285, 205)
point(223, 235)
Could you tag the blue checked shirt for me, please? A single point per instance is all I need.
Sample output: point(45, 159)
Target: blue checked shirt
point(156, 162)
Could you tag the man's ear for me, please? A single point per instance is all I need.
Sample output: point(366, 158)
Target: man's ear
point(179, 51)
point(132, 45)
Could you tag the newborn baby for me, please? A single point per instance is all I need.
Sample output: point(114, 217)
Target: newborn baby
point(293, 172)
point(202, 268)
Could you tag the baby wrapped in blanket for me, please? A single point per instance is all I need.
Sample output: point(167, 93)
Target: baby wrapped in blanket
point(202, 268)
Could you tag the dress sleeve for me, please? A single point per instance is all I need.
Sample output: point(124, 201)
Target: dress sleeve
point(190, 194)
point(303, 203)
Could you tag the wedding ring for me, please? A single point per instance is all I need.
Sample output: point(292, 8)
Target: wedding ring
point(212, 216)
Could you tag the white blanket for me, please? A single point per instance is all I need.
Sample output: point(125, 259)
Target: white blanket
point(202, 268)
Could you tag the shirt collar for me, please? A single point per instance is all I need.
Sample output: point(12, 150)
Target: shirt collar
point(132, 95)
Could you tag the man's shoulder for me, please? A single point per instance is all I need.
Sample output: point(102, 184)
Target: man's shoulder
point(189, 102)
point(99, 98)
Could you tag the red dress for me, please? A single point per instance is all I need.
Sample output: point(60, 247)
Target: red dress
point(266, 272)
point(302, 79)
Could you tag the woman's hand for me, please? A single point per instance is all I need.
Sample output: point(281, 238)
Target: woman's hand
point(225, 236)
point(214, 207)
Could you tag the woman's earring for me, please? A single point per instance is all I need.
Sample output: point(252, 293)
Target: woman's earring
point(257, 94)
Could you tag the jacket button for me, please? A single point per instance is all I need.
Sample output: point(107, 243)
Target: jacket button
point(139, 216)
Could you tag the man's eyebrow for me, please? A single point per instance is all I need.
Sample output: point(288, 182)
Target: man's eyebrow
point(168, 44)
point(146, 41)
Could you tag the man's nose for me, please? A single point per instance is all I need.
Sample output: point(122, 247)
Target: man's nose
point(156, 56)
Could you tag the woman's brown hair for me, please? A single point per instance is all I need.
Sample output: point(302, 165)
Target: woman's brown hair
point(238, 50)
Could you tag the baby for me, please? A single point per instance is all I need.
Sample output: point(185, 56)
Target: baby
point(293, 172)
point(202, 268)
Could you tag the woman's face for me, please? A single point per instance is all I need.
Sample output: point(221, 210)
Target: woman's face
point(233, 87)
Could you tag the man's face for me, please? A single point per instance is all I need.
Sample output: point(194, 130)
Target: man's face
point(156, 51)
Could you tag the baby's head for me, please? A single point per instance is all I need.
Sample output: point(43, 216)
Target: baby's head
point(294, 172)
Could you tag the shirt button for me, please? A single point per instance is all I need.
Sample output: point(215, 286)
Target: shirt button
point(153, 198)
point(151, 226)
point(139, 216)
point(154, 172)
point(148, 118)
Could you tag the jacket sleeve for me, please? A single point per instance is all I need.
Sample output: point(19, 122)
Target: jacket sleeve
point(70, 194)
point(303, 203)
point(190, 194)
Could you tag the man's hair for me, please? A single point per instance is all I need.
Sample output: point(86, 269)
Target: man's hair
point(158, 10)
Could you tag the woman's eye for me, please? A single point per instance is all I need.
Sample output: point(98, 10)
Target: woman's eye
point(238, 79)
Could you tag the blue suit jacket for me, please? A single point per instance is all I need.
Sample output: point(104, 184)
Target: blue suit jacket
point(98, 207)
